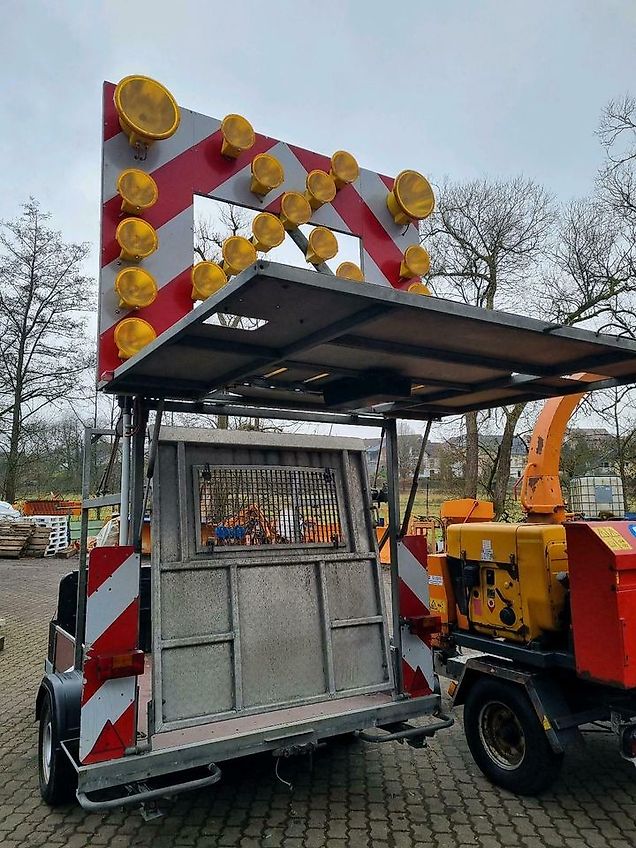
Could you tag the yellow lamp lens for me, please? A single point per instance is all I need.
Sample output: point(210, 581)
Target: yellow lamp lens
point(294, 210)
point(344, 168)
point(131, 335)
point(238, 135)
point(268, 232)
point(136, 238)
point(416, 262)
point(267, 173)
point(147, 111)
point(207, 279)
point(320, 188)
point(412, 197)
point(418, 288)
point(323, 245)
point(137, 189)
point(238, 254)
point(135, 287)
point(349, 271)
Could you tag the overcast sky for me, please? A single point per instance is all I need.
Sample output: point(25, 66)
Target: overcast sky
point(459, 88)
point(462, 88)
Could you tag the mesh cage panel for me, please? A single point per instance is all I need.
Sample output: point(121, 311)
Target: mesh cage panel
point(268, 505)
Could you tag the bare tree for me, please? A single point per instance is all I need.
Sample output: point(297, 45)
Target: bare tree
point(617, 178)
point(594, 270)
point(42, 332)
point(486, 238)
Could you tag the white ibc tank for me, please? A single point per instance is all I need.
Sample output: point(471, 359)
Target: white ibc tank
point(592, 496)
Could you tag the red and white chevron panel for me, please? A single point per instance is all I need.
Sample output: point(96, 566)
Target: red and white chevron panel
point(108, 714)
point(190, 163)
point(417, 654)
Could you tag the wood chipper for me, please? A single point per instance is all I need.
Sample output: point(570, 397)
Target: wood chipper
point(260, 622)
point(550, 604)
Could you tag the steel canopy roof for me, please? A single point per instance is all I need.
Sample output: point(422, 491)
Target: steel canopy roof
point(315, 332)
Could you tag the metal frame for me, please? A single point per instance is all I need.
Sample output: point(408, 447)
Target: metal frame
point(315, 553)
point(307, 731)
point(345, 333)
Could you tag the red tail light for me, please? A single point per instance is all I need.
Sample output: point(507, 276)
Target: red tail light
point(110, 666)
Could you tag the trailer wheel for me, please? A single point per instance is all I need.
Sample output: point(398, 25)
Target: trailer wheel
point(506, 739)
point(57, 777)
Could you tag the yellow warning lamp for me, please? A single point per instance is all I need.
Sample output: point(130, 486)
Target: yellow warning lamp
point(147, 111)
point(321, 188)
point(207, 279)
point(419, 288)
point(416, 262)
point(412, 198)
point(323, 245)
point(131, 335)
point(238, 136)
point(349, 271)
point(267, 174)
point(268, 232)
point(137, 239)
point(344, 168)
point(294, 210)
point(136, 288)
point(238, 254)
point(138, 191)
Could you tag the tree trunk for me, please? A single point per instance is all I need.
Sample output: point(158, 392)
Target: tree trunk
point(11, 473)
point(502, 471)
point(471, 471)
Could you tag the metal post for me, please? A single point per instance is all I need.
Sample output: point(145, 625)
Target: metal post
point(82, 576)
point(415, 481)
point(140, 423)
point(124, 507)
point(393, 492)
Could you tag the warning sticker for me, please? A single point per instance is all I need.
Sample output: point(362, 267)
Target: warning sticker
point(486, 550)
point(438, 605)
point(612, 538)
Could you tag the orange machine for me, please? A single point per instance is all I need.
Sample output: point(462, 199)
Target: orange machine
point(549, 604)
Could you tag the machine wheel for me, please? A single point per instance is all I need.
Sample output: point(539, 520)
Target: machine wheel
point(506, 739)
point(57, 777)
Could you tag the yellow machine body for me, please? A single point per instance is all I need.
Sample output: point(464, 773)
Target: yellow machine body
point(508, 575)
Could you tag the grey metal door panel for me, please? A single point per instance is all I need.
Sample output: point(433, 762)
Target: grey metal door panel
point(273, 601)
point(197, 681)
point(282, 640)
point(358, 657)
point(195, 603)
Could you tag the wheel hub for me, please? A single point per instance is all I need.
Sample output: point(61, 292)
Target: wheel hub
point(502, 735)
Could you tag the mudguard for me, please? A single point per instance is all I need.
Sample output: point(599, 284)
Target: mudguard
point(65, 691)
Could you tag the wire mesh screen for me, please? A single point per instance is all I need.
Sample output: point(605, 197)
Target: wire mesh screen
point(268, 505)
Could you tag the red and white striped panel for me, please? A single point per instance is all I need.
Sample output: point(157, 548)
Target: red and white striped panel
point(108, 714)
point(190, 163)
point(417, 655)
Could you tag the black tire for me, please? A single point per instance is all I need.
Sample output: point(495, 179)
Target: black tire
point(506, 739)
point(57, 777)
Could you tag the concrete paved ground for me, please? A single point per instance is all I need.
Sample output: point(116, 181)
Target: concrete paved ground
point(352, 795)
